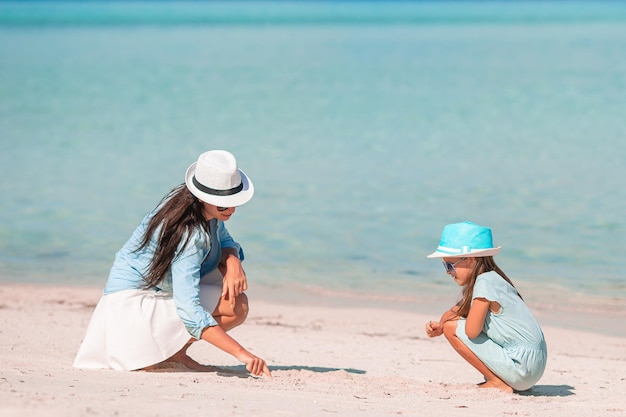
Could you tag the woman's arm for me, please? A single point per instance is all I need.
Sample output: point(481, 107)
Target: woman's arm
point(220, 339)
point(185, 281)
point(235, 281)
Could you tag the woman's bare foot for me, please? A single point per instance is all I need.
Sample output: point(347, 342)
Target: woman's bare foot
point(499, 384)
point(180, 361)
point(184, 359)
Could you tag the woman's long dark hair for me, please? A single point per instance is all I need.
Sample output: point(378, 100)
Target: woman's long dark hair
point(482, 265)
point(179, 214)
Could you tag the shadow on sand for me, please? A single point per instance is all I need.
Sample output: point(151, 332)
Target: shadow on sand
point(240, 371)
point(549, 391)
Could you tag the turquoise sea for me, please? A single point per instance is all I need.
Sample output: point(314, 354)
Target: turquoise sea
point(365, 126)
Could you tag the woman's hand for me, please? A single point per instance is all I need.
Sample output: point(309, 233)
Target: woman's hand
point(220, 339)
point(254, 364)
point(434, 329)
point(235, 281)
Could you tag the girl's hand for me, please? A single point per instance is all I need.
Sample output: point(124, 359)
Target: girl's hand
point(434, 329)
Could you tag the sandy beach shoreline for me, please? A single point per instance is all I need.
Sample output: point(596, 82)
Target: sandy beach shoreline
point(553, 306)
point(326, 360)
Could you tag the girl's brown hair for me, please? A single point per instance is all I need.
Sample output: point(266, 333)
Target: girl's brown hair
point(180, 213)
point(482, 265)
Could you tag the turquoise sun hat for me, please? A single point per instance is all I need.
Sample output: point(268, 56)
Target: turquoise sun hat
point(465, 239)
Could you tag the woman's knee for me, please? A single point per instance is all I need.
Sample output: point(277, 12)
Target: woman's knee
point(237, 310)
point(228, 315)
point(241, 307)
point(239, 313)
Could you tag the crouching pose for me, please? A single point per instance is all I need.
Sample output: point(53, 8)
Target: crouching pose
point(178, 279)
point(491, 326)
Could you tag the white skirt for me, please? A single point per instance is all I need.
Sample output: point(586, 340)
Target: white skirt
point(133, 329)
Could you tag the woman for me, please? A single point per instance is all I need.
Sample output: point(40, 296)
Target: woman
point(490, 327)
point(178, 279)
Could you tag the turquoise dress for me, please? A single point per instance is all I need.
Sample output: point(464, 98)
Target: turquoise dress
point(511, 343)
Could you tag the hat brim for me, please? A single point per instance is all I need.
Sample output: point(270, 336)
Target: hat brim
point(471, 254)
point(234, 200)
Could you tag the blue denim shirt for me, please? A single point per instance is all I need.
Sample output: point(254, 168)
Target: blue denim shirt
point(183, 278)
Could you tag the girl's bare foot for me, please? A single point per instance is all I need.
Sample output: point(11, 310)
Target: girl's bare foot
point(499, 384)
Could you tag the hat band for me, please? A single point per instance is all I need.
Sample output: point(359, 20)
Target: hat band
point(455, 251)
point(213, 191)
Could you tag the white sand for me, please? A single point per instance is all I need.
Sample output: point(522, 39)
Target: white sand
point(325, 361)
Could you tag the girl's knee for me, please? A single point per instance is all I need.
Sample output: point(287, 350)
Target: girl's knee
point(449, 329)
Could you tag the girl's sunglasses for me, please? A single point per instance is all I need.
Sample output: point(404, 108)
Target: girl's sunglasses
point(222, 208)
point(449, 266)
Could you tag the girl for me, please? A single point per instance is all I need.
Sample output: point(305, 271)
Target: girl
point(178, 279)
point(490, 327)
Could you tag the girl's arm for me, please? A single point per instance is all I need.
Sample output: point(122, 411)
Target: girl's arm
point(476, 317)
point(451, 314)
point(435, 328)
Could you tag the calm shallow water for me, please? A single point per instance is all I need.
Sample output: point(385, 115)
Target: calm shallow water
point(366, 128)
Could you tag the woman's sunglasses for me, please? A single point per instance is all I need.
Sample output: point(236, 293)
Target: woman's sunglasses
point(449, 266)
point(222, 208)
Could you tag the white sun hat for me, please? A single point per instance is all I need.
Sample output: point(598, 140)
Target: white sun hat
point(216, 179)
point(465, 240)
